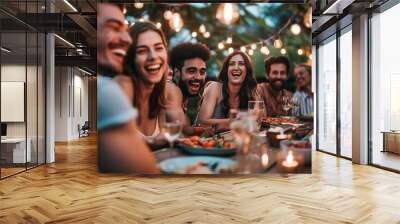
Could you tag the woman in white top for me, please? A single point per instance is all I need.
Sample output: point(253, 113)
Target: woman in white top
point(147, 64)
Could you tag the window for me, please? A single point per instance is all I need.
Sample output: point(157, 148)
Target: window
point(327, 96)
point(385, 88)
point(346, 93)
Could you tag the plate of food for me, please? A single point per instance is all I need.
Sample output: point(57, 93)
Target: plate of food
point(197, 165)
point(280, 120)
point(213, 146)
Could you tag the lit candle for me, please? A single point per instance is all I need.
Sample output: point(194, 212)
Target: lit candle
point(264, 160)
point(290, 162)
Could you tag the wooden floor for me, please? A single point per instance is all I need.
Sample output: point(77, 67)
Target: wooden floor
point(71, 191)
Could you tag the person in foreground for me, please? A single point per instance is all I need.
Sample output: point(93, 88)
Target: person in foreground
point(273, 93)
point(235, 87)
point(188, 62)
point(120, 149)
point(303, 95)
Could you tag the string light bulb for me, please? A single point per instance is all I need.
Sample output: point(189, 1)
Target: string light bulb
point(310, 56)
point(207, 34)
point(138, 5)
point(220, 45)
point(295, 29)
point(264, 50)
point(227, 13)
point(194, 34)
point(251, 52)
point(230, 50)
point(283, 51)
point(278, 43)
point(243, 49)
point(229, 40)
point(168, 15)
point(254, 46)
point(308, 18)
point(158, 24)
point(202, 28)
point(300, 52)
point(176, 22)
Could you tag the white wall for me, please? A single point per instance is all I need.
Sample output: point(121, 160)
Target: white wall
point(71, 94)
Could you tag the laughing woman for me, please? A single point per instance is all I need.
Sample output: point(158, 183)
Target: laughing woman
point(235, 87)
point(146, 62)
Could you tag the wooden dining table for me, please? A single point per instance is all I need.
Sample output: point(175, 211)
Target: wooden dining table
point(262, 157)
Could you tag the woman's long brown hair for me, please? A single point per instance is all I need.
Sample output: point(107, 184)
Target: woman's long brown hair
point(157, 100)
point(248, 88)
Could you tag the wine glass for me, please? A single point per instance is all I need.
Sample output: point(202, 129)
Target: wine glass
point(256, 108)
point(286, 103)
point(242, 131)
point(172, 130)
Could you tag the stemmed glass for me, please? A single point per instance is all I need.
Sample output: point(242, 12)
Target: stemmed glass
point(172, 130)
point(242, 131)
point(256, 108)
point(287, 103)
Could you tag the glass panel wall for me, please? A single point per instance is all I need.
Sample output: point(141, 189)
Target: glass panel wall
point(13, 105)
point(346, 93)
point(385, 89)
point(22, 89)
point(327, 96)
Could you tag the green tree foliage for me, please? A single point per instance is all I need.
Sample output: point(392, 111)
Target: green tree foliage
point(258, 22)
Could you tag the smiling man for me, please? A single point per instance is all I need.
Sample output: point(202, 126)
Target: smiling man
point(303, 95)
point(273, 92)
point(120, 149)
point(188, 63)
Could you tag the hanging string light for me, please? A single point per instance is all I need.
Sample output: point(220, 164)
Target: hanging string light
point(254, 46)
point(310, 56)
point(158, 24)
point(283, 51)
point(194, 34)
point(176, 22)
point(230, 50)
point(308, 18)
point(278, 43)
point(227, 13)
point(251, 52)
point(138, 5)
point(300, 51)
point(243, 49)
point(295, 29)
point(229, 40)
point(220, 45)
point(206, 34)
point(202, 28)
point(264, 50)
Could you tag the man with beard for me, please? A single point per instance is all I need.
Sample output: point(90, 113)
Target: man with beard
point(303, 96)
point(273, 93)
point(188, 63)
point(120, 149)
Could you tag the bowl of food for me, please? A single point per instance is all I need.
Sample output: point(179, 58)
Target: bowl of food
point(277, 134)
point(213, 146)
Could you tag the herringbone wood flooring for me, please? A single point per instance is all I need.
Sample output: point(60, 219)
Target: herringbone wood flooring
point(71, 191)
